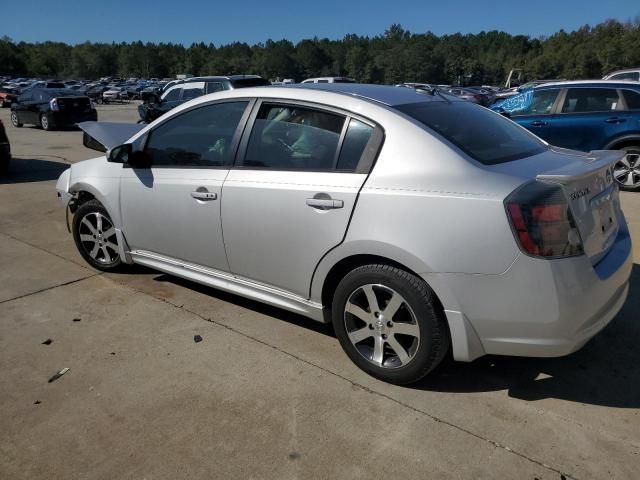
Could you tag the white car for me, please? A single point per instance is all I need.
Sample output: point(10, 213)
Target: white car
point(115, 94)
point(417, 223)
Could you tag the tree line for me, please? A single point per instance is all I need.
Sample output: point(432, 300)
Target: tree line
point(395, 56)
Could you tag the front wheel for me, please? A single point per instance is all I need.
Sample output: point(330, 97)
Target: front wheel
point(627, 170)
point(15, 120)
point(389, 323)
point(95, 236)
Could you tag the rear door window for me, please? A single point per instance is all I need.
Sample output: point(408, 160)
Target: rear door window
point(482, 134)
point(291, 137)
point(585, 100)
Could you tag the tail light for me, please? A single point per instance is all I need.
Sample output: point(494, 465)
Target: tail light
point(54, 105)
point(542, 221)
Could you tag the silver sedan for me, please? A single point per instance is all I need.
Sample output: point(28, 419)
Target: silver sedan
point(415, 222)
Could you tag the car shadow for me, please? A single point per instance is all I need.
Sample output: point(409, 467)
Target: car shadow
point(264, 309)
point(604, 372)
point(26, 170)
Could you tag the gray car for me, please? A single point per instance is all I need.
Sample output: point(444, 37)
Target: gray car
point(415, 222)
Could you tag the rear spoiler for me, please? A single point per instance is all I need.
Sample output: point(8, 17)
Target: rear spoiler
point(103, 136)
point(594, 160)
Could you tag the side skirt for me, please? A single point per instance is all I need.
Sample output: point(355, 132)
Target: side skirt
point(230, 283)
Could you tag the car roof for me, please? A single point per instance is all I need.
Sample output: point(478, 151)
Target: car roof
point(385, 94)
point(591, 83)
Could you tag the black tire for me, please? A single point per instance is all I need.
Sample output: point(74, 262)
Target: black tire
point(45, 123)
point(15, 121)
point(419, 300)
point(633, 159)
point(105, 257)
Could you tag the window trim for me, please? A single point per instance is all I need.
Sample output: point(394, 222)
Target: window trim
point(235, 139)
point(364, 165)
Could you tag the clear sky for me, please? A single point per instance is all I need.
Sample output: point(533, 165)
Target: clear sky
point(253, 21)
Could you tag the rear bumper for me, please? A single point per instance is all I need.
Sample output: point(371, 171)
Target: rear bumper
point(60, 119)
point(538, 308)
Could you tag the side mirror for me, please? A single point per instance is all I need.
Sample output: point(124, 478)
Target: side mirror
point(120, 154)
point(126, 155)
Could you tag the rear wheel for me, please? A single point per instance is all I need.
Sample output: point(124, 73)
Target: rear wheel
point(45, 123)
point(15, 120)
point(388, 323)
point(627, 170)
point(95, 236)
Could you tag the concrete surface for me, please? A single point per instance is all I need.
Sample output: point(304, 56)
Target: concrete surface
point(266, 394)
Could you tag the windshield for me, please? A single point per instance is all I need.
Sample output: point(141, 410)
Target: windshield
point(485, 136)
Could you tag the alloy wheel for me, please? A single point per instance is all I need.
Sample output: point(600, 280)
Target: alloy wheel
point(14, 119)
point(627, 170)
point(98, 238)
point(381, 326)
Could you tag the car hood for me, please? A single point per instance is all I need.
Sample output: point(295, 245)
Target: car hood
point(107, 134)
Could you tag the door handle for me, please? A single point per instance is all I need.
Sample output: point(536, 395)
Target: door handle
point(538, 123)
point(324, 203)
point(205, 196)
point(615, 120)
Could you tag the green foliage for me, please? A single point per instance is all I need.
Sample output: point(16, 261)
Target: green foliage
point(395, 56)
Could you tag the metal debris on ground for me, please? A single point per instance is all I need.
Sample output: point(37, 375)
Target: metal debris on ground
point(77, 319)
point(48, 341)
point(59, 374)
point(197, 338)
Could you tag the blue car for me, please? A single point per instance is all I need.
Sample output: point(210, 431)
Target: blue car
point(585, 115)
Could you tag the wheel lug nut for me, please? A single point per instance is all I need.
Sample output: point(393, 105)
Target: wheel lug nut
point(389, 324)
point(377, 314)
point(384, 336)
point(370, 327)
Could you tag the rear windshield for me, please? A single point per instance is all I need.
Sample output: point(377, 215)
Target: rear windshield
point(62, 92)
point(483, 135)
point(250, 82)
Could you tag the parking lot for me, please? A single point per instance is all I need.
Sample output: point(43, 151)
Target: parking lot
point(266, 393)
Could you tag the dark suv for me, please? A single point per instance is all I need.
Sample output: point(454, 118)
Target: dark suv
point(585, 115)
point(52, 108)
point(184, 90)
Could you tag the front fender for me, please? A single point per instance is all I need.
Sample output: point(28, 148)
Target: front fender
point(105, 190)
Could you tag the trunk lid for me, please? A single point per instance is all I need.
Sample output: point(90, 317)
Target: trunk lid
point(587, 182)
point(74, 104)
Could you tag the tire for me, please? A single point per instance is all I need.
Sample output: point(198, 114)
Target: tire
point(96, 242)
point(15, 121)
point(627, 171)
point(399, 349)
point(45, 123)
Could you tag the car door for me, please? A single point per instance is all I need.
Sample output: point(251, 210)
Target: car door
point(172, 208)
point(537, 110)
point(289, 198)
point(587, 119)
